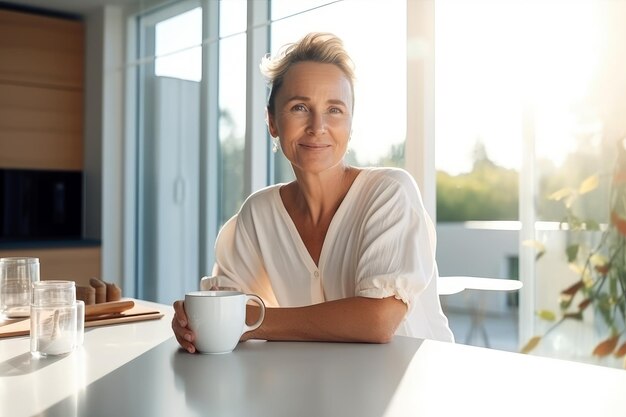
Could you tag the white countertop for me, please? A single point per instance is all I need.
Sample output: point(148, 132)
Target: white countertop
point(29, 386)
point(137, 369)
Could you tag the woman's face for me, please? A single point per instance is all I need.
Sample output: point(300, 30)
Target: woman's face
point(313, 116)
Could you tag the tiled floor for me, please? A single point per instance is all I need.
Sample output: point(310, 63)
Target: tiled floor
point(493, 330)
point(500, 331)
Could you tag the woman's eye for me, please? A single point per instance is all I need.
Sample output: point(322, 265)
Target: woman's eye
point(298, 107)
point(335, 110)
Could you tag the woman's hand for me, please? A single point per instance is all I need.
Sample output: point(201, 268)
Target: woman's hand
point(183, 334)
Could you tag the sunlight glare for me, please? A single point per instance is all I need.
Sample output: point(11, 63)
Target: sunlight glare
point(493, 56)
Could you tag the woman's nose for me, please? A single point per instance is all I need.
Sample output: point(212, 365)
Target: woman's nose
point(317, 124)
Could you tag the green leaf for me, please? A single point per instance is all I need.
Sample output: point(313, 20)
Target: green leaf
point(532, 343)
point(589, 184)
point(546, 315)
point(604, 307)
point(537, 245)
point(613, 287)
point(572, 252)
point(532, 243)
point(561, 194)
point(574, 316)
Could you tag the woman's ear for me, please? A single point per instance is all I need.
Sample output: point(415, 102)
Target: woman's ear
point(271, 124)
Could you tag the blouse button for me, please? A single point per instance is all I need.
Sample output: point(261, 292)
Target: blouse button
point(316, 274)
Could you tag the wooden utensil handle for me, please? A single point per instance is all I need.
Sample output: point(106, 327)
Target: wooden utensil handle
point(108, 308)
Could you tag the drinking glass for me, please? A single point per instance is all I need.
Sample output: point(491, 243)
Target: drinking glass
point(56, 318)
point(17, 274)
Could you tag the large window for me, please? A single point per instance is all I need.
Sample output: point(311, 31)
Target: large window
point(528, 99)
point(232, 105)
point(479, 87)
point(168, 144)
point(177, 49)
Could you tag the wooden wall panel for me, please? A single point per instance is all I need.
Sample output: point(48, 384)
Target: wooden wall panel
point(40, 128)
point(41, 50)
point(72, 264)
point(41, 117)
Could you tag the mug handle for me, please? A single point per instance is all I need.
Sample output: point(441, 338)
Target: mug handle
point(256, 299)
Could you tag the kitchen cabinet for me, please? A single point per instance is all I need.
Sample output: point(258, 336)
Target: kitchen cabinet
point(40, 128)
point(41, 91)
point(41, 50)
point(42, 62)
point(73, 263)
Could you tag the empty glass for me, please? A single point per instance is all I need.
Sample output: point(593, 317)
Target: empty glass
point(17, 275)
point(56, 318)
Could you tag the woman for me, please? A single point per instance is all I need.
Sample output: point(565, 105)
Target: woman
point(342, 253)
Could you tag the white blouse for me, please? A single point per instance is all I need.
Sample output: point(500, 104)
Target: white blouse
point(380, 243)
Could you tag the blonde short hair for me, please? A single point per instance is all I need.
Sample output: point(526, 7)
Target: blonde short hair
point(320, 47)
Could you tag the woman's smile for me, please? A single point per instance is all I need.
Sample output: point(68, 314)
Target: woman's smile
point(315, 146)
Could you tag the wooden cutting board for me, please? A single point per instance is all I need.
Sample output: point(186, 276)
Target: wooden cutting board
point(136, 313)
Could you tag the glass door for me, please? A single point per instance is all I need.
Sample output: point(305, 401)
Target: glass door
point(168, 164)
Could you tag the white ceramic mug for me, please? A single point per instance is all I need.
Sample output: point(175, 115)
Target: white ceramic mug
point(218, 318)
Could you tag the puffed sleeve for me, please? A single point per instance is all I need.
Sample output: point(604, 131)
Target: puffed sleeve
point(238, 262)
point(397, 254)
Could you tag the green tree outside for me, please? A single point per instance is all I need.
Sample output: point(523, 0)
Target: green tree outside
point(488, 192)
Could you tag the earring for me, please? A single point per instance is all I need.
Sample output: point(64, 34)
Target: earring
point(275, 144)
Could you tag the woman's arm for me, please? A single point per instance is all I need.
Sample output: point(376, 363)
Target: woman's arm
point(355, 319)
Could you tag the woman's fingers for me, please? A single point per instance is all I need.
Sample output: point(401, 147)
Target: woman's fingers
point(179, 313)
point(184, 335)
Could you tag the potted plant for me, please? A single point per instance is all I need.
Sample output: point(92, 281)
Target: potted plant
point(600, 286)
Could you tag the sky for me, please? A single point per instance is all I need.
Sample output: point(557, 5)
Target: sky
point(499, 63)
